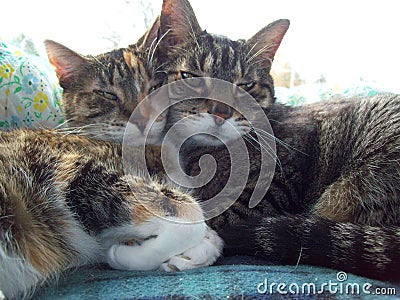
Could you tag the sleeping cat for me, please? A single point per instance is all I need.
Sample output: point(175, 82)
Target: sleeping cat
point(334, 198)
point(65, 200)
point(101, 92)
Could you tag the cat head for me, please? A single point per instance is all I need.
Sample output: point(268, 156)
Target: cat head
point(101, 92)
point(190, 52)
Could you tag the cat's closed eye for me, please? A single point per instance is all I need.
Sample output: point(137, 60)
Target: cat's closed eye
point(106, 95)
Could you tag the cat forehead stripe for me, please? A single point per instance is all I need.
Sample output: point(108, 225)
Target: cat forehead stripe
point(221, 56)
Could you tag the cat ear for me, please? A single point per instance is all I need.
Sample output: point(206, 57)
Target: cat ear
point(67, 63)
point(150, 37)
point(177, 22)
point(266, 42)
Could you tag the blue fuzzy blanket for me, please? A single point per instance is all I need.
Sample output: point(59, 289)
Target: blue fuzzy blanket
point(230, 278)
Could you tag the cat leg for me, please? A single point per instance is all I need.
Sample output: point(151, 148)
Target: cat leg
point(166, 239)
point(169, 221)
point(362, 197)
point(338, 202)
point(203, 254)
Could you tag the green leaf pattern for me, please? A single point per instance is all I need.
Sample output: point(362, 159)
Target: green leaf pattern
point(23, 80)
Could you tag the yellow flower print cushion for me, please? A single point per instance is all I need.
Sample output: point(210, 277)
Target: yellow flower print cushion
point(29, 92)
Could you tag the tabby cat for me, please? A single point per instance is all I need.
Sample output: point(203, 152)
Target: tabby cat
point(101, 92)
point(335, 196)
point(65, 200)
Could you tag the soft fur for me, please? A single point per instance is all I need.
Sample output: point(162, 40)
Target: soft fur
point(67, 200)
point(101, 92)
point(334, 198)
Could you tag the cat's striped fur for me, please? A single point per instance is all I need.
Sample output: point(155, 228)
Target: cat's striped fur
point(335, 197)
point(335, 201)
point(196, 53)
point(65, 199)
point(101, 92)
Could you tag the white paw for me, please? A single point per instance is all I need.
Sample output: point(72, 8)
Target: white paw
point(124, 257)
point(167, 239)
point(204, 254)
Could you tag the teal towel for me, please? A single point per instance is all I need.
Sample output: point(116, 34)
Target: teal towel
point(230, 280)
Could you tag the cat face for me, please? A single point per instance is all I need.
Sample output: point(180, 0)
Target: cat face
point(192, 53)
point(101, 92)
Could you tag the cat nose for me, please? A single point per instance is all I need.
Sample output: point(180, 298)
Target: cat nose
point(140, 121)
point(221, 112)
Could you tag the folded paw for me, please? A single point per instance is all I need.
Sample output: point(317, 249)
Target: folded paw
point(125, 257)
point(204, 254)
point(165, 239)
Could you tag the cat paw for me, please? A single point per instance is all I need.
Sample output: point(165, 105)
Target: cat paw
point(202, 255)
point(165, 240)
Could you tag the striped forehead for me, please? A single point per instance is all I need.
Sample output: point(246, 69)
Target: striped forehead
point(114, 68)
point(138, 67)
point(220, 57)
point(136, 63)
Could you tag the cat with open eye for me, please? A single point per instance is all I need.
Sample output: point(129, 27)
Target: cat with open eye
point(65, 200)
point(334, 200)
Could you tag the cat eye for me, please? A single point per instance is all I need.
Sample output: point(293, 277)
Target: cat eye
point(154, 87)
point(247, 86)
point(187, 75)
point(193, 81)
point(106, 95)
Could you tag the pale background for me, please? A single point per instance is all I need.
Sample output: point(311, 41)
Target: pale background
point(339, 41)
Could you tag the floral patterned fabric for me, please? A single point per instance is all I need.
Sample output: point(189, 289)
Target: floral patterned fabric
point(29, 92)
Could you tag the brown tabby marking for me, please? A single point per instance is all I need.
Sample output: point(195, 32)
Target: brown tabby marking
point(190, 52)
point(334, 199)
point(65, 200)
point(101, 92)
point(337, 202)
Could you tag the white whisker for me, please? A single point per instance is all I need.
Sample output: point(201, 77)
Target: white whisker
point(248, 53)
point(259, 52)
point(268, 135)
point(267, 149)
point(156, 46)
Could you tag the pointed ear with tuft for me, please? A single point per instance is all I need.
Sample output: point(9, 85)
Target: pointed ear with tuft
point(67, 63)
point(149, 39)
point(266, 42)
point(178, 23)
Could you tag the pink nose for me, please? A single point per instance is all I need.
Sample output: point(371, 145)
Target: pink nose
point(221, 112)
point(140, 121)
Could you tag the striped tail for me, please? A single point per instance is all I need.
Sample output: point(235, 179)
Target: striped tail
point(359, 249)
